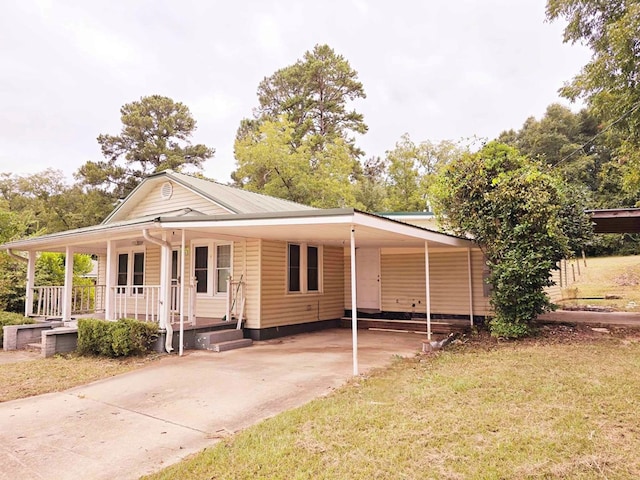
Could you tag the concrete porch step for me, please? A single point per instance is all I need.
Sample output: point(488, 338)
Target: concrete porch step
point(34, 346)
point(231, 345)
point(221, 340)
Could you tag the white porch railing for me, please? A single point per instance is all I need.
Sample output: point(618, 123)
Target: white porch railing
point(48, 300)
point(141, 302)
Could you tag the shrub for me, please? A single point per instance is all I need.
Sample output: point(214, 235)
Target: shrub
point(10, 318)
point(115, 339)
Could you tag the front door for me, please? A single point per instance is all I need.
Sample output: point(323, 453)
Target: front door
point(368, 278)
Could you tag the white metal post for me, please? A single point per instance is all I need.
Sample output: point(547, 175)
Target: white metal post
point(110, 277)
point(428, 288)
point(470, 285)
point(182, 293)
point(354, 303)
point(31, 278)
point(68, 285)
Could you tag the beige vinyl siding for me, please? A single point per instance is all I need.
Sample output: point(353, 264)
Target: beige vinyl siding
point(181, 198)
point(152, 265)
point(251, 259)
point(281, 308)
point(402, 279)
point(101, 281)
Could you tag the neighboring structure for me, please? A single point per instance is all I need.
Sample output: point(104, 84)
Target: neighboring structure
point(180, 249)
point(616, 220)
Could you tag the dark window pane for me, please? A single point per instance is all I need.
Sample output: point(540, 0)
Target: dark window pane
point(202, 269)
point(138, 270)
point(294, 268)
point(174, 265)
point(312, 268)
point(123, 265)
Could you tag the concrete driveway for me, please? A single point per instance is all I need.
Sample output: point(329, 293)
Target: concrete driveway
point(139, 422)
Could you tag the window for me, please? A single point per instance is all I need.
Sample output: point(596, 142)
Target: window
point(212, 266)
point(201, 269)
point(130, 271)
point(312, 269)
point(223, 267)
point(303, 268)
point(294, 267)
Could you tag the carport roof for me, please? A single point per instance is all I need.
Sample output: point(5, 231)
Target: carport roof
point(616, 220)
point(324, 226)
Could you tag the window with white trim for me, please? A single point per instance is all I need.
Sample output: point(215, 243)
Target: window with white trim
point(212, 267)
point(130, 272)
point(304, 274)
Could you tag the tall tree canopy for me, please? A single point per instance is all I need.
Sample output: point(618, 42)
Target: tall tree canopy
point(314, 94)
point(155, 136)
point(610, 82)
point(514, 211)
point(300, 145)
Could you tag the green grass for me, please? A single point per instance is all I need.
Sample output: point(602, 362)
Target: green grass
point(45, 375)
point(618, 276)
point(10, 318)
point(532, 409)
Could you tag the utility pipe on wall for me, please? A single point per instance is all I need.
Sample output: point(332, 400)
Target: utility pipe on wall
point(165, 290)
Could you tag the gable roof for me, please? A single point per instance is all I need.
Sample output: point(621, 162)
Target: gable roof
point(233, 199)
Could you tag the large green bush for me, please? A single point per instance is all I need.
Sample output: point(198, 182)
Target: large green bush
point(115, 339)
point(10, 318)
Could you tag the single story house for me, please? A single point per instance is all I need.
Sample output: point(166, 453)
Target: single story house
point(185, 251)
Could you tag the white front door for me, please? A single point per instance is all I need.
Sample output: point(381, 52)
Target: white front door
point(368, 278)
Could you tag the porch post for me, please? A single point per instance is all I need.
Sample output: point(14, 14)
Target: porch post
point(428, 288)
point(354, 303)
point(31, 274)
point(68, 285)
point(165, 292)
point(110, 278)
point(470, 285)
point(182, 293)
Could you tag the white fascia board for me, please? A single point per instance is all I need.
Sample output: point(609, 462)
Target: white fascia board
point(262, 222)
point(408, 230)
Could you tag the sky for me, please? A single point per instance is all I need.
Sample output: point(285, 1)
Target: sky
point(437, 69)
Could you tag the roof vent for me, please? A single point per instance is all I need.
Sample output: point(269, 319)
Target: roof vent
point(166, 191)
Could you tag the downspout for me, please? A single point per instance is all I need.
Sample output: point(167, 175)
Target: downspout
point(16, 256)
point(163, 281)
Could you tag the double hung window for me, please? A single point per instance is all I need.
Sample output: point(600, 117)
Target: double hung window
point(303, 268)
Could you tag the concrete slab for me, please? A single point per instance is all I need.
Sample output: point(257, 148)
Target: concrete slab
point(139, 422)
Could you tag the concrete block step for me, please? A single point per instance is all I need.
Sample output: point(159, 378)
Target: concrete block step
point(205, 339)
point(230, 345)
point(36, 346)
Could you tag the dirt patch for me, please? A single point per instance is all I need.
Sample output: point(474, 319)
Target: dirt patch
point(628, 278)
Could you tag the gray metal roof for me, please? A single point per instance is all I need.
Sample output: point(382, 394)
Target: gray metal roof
point(236, 199)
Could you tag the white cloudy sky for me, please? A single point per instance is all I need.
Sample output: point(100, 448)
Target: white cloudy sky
point(436, 69)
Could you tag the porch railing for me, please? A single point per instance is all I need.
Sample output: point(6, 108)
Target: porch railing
point(141, 302)
point(48, 300)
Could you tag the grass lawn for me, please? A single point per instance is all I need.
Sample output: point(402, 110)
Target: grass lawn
point(617, 276)
point(45, 375)
point(562, 406)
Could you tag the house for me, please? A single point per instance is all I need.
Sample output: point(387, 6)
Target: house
point(188, 252)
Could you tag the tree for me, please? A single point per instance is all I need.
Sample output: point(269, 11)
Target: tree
point(313, 94)
point(300, 144)
point(370, 188)
point(513, 210)
point(610, 82)
point(155, 136)
point(267, 164)
point(410, 171)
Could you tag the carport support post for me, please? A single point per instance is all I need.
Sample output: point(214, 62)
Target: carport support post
point(181, 349)
point(31, 278)
point(354, 303)
point(428, 288)
point(68, 285)
point(110, 281)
